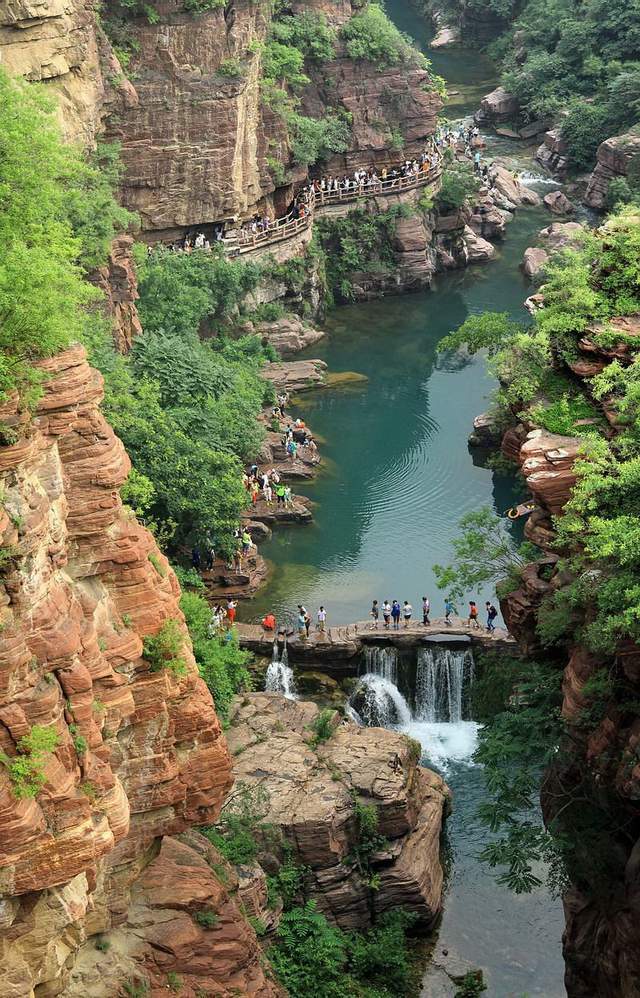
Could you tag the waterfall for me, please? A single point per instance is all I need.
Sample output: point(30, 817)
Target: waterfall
point(279, 678)
point(381, 662)
point(378, 702)
point(442, 679)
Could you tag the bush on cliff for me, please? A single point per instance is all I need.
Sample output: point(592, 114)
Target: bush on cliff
point(310, 956)
point(58, 216)
point(371, 36)
point(222, 663)
point(458, 184)
point(187, 444)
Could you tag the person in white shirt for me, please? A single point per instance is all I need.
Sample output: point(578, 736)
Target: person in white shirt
point(322, 618)
point(407, 610)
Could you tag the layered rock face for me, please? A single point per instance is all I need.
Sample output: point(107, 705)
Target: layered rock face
point(58, 42)
point(312, 794)
point(615, 157)
point(593, 787)
point(199, 142)
point(140, 754)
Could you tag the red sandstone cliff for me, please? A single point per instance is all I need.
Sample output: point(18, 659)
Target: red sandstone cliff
point(81, 585)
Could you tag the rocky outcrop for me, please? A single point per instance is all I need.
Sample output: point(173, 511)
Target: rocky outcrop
point(497, 107)
point(312, 792)
point(445, 38)
point(547, 461)
point(534, 262)
point(288, 335)
point(558, 203)
point(615, 156)
point(507, 192)
point(559, 235)
point(478, 250)
point(552, 154)
point(296, 376)
point(140, 754)
point(200, 144)
point(119, 284)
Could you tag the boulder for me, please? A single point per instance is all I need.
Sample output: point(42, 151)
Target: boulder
point(614, 158)
point(445, 38)
point(496, 107)
point(558, 203)
point(478, 249)
point(508, 191)
point(560, 234)
point(552, 154)
point(485, 432)
point(289, 335)
point(534, 261)
point(295, 376)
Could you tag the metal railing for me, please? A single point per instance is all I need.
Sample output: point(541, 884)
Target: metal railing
point(243, 241)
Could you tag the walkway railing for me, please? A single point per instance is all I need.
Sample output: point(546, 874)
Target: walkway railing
point(243, 241)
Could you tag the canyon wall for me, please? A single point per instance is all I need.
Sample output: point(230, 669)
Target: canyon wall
point(594, 786)
point(140, 756)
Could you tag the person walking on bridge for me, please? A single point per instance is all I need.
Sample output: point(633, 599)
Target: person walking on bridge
point(395, 613)
point(426, 608)
point(386, 613)
point(407, 611)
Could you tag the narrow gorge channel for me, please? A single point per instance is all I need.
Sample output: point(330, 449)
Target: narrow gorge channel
point(398, 476)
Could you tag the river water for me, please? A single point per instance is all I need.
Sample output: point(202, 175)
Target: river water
point(398, 475)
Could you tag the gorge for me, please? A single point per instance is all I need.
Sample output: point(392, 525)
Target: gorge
point(165, 825)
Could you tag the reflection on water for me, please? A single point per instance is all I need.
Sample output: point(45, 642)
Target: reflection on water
point(401, 475)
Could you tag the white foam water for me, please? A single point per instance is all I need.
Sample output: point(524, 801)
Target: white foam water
point(279, 677)
point(378, 702)
point(444, 743)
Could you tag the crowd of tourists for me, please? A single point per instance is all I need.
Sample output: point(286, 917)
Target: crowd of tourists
point(393, 615)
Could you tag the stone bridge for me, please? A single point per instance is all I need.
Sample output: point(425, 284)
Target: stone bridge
point(240, 242)
point(337, 649)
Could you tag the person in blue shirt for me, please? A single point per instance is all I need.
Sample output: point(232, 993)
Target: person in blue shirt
point(449, 608)
point(395, 613)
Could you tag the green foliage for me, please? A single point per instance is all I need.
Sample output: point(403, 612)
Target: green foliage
point(187, 412)
point(202, 6)
point(163, 649)
point(310, 956)
point(590, 52)
point(184, 293)
point(206, 919)
point(80, 744)
point(287, 884)
point(136, 988)
point(459, 184)
point(222, 663)
point(42, 290)
point(368, 840)
point(103, 945)
point(26, 769)
point(157, 564)
point(230, 67)
point(358, 241)
point(561, 416)
point(371, 36)
point(309, 33)
point(174, 982)
point(89, 790)
point(470, 985)
point(241, 828)
point(323, 727)
point(483, 553)
point(513, 746)
point(315, 139)
point(497, 675)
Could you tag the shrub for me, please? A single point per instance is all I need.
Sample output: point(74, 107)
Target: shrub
point(561, 416)
point(26, 769)
point(221, 662)
point(162, 650)
point(459, 183)
point(322, 727)
point(241, 828)
point(103, 945)
point(206, 919)
point(230, 67)
point(309, 33)
point(174, 982)
point(371, 36)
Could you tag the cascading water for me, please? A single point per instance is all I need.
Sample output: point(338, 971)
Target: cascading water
point(381, 662)
point(279, 678)
point(443, 677)
point(376, 701)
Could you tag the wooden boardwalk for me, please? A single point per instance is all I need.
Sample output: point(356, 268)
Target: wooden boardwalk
point(240, 242)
